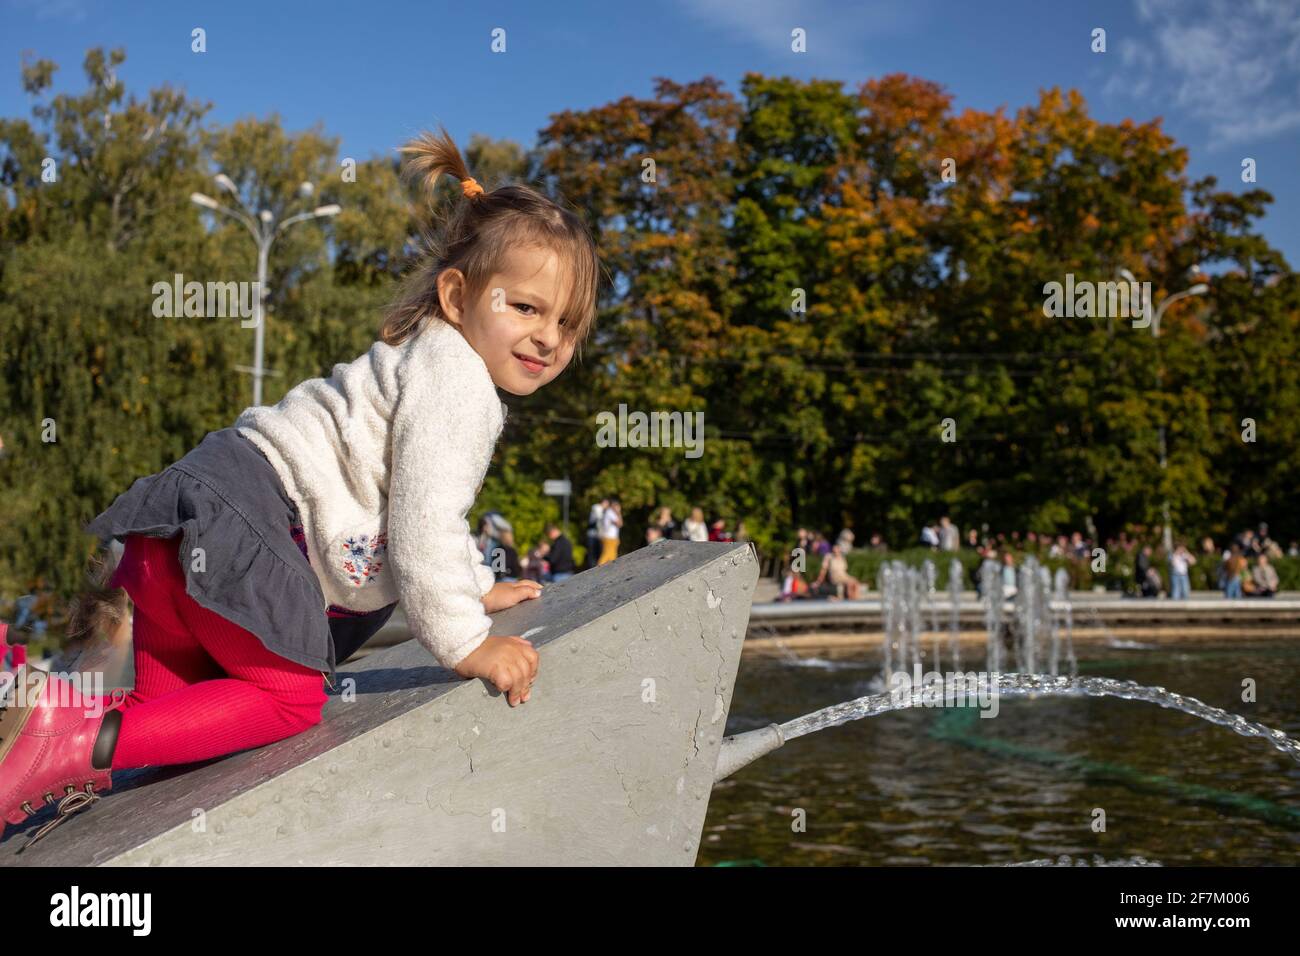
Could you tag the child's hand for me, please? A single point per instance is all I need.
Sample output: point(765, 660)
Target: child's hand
point(509, 593)
point(510, 663)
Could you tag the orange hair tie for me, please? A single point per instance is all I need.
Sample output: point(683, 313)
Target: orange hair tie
point(471, 188)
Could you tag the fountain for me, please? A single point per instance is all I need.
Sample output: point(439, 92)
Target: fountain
point(1042, 610)
point(742, 749)
point(991, 594)
point(1064, 623)
point(1041, 629)
point(955, 580)
point(1040, 626)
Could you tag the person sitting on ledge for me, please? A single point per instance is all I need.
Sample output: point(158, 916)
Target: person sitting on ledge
point(1148, 578)
point(793, 585)
point(836, 566)
point(1264, 578)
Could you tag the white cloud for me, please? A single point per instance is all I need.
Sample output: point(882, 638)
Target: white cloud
point(1132, 81)
point(73, 11)
point(836, 31)
point(1232, 64)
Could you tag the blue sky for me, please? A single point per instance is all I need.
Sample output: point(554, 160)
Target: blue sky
point(1224, 74)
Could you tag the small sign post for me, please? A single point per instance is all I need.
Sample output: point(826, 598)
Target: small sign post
point(559, 488)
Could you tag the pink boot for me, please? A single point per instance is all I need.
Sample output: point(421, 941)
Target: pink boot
point(46, 749)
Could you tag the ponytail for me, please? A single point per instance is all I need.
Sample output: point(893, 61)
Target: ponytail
point(431, 157)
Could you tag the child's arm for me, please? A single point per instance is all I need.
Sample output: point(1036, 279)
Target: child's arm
point(446, 418)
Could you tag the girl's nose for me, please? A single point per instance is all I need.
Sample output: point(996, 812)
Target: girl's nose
point(548, 336)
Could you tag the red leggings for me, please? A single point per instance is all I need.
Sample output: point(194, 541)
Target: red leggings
point(204, 686)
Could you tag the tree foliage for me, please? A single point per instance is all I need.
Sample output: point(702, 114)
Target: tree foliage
point(828, 274)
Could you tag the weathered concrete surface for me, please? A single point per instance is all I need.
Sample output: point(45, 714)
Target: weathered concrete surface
point(611, 762)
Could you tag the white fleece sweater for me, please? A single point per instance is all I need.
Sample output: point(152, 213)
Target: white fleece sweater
point(384, 459)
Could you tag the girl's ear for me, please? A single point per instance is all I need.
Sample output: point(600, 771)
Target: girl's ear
point(451, 295)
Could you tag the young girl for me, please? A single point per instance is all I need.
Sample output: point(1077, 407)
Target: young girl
point(275, 548)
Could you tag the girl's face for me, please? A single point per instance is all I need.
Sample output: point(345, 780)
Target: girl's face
point(514, 325)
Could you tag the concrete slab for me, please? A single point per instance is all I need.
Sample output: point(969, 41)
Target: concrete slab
point(611, 762)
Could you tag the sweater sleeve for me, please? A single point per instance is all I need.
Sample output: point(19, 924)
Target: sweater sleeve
point(443, 432)
point(483, 573)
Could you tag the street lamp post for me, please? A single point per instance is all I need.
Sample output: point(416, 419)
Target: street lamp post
point(1167, 538)
point(265, 231)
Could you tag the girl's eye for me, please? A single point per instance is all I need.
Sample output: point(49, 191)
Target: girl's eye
point(525, 305)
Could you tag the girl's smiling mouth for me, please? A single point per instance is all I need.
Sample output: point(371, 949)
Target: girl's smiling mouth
point(534, 366)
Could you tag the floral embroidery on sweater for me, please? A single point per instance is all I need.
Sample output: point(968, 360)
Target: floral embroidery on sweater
point(300, 539)
point(362, 557)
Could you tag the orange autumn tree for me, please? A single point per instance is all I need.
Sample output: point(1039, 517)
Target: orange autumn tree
point(872, 266)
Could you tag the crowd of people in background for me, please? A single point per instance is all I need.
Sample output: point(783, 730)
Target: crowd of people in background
point(552, 558)
point(664, 526)
point(1242, 568)
point(1237, 576)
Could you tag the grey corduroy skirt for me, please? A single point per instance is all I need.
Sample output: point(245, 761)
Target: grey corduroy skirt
point(225, 499)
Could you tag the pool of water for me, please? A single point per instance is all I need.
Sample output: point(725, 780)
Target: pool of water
point(936, 786)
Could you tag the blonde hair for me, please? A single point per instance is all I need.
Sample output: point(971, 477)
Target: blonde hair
point(475, 237)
